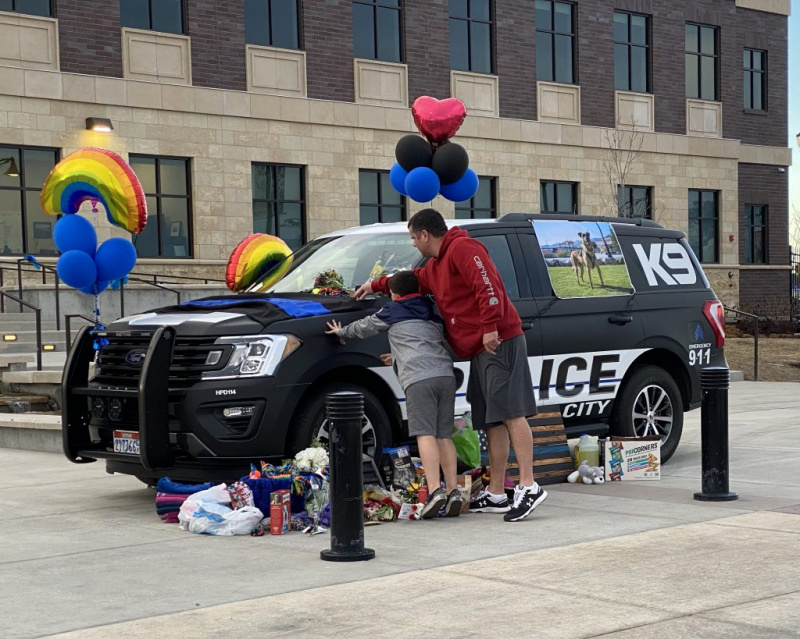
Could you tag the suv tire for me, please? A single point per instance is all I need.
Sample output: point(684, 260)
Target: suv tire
point(648, 387)
point(310, 421)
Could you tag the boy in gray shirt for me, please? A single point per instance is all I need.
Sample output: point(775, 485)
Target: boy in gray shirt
point(425, 372)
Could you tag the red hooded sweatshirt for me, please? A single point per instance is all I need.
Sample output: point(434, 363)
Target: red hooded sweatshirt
point(468, 291)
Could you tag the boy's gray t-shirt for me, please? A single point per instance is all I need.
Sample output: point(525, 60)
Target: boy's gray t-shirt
point(418, 347)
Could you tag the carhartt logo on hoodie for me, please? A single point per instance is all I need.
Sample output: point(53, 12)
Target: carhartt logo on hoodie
point(489, 288)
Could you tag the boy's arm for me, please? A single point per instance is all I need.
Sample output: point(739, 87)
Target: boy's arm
point(363, 328)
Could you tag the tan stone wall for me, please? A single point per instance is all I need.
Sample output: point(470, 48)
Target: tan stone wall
point(225, 131)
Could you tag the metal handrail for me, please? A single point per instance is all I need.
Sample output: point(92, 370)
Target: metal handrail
point(757, 319)
point(68, 332)
point(161, 286)
point(38, 313)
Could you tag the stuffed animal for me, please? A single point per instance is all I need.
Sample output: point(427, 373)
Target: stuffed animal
point(588, 474)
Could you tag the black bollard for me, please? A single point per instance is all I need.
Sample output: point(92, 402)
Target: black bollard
point(345, 413)
point(714, 383)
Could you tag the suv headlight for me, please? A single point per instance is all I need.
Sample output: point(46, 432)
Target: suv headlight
point(256, 356)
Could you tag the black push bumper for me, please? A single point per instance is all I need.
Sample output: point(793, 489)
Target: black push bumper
point(152, 397)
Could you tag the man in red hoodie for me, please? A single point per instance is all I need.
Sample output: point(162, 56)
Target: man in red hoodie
point(483, 326)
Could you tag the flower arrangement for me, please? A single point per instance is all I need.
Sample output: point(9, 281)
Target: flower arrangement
point(329, 283)
point(314, 459)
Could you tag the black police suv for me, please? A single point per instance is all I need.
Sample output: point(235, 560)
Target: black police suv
point(618, 316)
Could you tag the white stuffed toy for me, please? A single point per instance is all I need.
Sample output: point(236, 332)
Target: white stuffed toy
point(589, 474)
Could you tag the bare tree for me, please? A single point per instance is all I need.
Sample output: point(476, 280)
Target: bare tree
point(794, 228)
point(624, 146)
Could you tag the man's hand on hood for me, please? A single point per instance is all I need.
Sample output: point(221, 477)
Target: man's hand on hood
point(363, 290)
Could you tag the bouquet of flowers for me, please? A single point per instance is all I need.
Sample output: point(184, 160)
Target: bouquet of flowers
point(329, 283)
point(314, 459)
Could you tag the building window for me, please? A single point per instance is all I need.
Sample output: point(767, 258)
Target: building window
point(704, 224)
point(155, 15)
point(379, 202)
point(701, 62)
point(755, 80)
point(279, 202)
point(471, 36)
point(631, 52)
point(483, 205)
point(559, 197)
point(166, 185)
point(755, 234)
point(635, 201)
point(24, 227)
point(376, 30)
point(272, 23)
point(555, 41)
point(29, 7)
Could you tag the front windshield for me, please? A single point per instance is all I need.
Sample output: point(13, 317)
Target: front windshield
point(357, 258)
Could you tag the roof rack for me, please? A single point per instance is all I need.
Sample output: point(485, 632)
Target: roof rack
point(568, 217)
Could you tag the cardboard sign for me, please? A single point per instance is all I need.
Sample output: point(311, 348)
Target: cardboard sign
point(280, 512)
point(633, 458)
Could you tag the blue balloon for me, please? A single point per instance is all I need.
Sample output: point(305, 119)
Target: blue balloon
point(75, 233)
point(422, 184)
point(397, 176)
point(76, 269)
point(462, 190)
point(115, 258)
point(94, 289)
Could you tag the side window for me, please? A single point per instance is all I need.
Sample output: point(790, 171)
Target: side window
point(500, 252)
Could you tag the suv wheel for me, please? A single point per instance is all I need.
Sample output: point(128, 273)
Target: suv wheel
point(312, 422)
point(650, 404)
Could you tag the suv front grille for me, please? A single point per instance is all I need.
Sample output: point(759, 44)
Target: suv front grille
point(115, 367)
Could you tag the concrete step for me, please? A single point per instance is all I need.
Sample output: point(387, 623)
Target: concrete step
point(45, 376)
point(26, 404)
point(31, 431)
point(30, 347)
point(16, 361)
point(11, 326)
point(29, 335)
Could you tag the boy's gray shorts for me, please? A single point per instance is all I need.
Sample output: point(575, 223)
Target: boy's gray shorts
point(500, 385)
point(430, 404)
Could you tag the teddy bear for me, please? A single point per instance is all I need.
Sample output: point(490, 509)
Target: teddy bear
point(588, 474)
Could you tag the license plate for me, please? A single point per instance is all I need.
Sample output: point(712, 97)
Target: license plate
point(126, 442)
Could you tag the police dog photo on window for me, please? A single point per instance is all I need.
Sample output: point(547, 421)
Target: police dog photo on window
point(583, 259)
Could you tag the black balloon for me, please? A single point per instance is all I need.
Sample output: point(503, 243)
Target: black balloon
point(450, 162)
point(412, 152)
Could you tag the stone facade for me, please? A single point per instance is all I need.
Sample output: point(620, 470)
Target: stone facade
point(223, 129)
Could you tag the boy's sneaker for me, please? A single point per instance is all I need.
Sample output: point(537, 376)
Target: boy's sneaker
point(526, 499)
point(454, 503)
point(435, 503)
point(486, 503)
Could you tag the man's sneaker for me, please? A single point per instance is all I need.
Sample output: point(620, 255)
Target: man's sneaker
point(435, 503)
point(486, 503)
point(454, 503)
point(525, 501)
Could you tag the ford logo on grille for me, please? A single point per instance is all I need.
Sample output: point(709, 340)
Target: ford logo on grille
point(136, 357)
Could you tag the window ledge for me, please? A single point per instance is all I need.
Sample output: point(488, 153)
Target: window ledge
point(381, 83)
point(275, 71)
point(479, 92)
point(761, 112)
point(154, 56)
point(29, 42)
point(560, 103)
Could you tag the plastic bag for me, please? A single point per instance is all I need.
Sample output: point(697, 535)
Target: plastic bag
point(210, 519)
point(216, 494)
point(467, 443)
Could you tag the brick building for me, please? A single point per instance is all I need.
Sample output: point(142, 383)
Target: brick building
point(281, 116)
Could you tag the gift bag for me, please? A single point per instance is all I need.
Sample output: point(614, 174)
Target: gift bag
point(467, 443)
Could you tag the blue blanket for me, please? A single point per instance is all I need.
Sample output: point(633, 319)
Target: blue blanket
point(295, 308)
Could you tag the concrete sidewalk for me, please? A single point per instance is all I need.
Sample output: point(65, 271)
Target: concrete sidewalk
point(82, 553)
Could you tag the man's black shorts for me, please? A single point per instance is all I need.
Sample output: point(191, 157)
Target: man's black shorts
point(500, 385)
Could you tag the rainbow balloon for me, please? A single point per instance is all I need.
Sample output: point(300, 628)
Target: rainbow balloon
point(259, 258)
point(96, 175)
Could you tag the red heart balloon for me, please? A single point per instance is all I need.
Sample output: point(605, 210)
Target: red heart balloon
point(438, 120)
